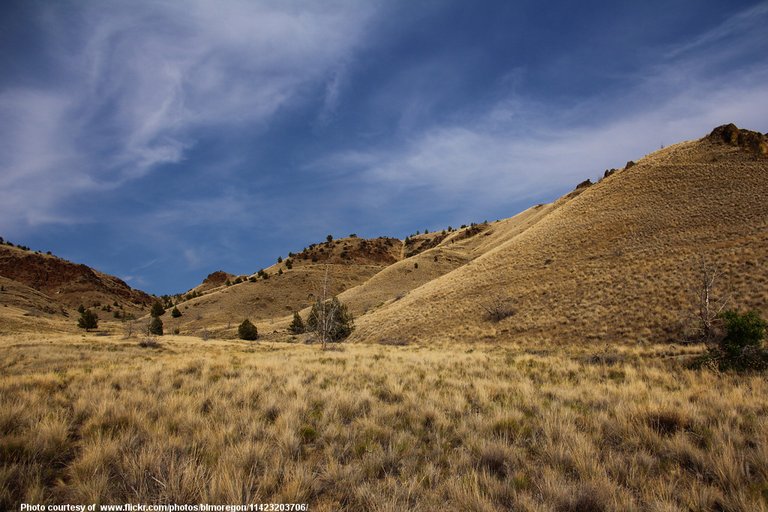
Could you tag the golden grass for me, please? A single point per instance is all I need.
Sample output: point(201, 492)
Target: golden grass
point(372, 427)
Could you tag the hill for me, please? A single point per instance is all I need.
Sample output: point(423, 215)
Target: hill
point(42, 284)
point(613, 261)
point(271, 295)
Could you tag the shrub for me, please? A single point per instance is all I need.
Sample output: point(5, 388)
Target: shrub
point(329, 238)
point(247, 331)
point(497, 309)
point(742, 331)
point(157, 309)
point(279, 259)
point(88, 320)
point(740, 348)
point(149, 342)
point(297, 325)
point(175, 313)
point(156, 326)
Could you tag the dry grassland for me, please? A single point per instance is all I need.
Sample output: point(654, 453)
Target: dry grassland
point(370, 427)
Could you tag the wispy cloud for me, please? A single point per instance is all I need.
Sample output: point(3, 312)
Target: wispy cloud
point(141, 79)
point(520, 147)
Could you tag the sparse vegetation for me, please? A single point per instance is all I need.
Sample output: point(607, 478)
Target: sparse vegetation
point(247, 331)
point(175, 313)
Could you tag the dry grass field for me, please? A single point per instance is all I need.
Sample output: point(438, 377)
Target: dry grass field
point(99, 419)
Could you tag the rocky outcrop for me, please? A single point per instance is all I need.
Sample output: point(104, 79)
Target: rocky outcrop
point(217, 278)
point(754, 142)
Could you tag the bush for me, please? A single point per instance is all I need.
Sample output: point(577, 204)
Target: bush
point(156, 326)
point(157, 309)
point(740, 347)
point(175, 313)
point(297, 325)
point(88, 320)
point(742, 331)
point(330, 320)
point(247, 331)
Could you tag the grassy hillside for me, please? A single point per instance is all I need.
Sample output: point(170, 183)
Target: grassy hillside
point(436, 254)
point(615, 263)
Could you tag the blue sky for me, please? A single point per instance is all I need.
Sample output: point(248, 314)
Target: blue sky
point(162, 140)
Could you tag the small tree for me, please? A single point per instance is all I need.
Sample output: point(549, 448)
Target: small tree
point(156, 326)
point(329, 238)
point(157, 309)
point(175, 313)
point(297, 325)
point(247, 331)
point(88, 320)
point(330, 320)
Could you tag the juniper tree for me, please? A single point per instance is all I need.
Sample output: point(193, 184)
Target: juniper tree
point(88, 320)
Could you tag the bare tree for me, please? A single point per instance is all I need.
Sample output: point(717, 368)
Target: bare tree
point(709, 303)
point(324, 311)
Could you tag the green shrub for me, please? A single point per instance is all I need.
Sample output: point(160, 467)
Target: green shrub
point(156, 326)
point(247, 331)
point(157, 309)
point(297, 325)
point(175, 313)
point(740, 348)
point(742, 330)
point(88, 320)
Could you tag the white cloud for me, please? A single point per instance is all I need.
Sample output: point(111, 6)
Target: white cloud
point(139, 78)
point(519, 148)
